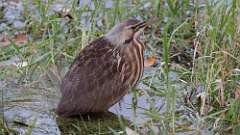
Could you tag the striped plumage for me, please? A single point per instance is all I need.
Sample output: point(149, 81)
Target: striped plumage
point(133, 55)
point(104, 71)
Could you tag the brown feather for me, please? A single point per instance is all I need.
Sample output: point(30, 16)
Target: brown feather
point(92, 83)
point(103, 72)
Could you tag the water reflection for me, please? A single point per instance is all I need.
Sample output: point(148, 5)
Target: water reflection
point(30, 107)
point(95, 123)
point(125, 108)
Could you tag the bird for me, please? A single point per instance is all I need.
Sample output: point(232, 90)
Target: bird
point(104, 71)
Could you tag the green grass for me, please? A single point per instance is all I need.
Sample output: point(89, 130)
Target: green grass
point(207, 34)
point(4, 130)
point(105, 123)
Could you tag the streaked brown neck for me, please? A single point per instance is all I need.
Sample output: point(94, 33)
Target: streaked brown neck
point(133, 55)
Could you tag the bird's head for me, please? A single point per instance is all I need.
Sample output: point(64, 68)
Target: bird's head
point(124, 32)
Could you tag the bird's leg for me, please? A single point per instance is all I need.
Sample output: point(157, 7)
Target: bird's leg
point(134, 105)
point(120, 104)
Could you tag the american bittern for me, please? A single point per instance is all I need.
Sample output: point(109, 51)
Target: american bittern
point(104, 71)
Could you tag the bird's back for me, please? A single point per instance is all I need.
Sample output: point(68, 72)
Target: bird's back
point(93, 82)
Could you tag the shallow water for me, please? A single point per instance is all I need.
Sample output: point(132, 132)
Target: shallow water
point(30, 107)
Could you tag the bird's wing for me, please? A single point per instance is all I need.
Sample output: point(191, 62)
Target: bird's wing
point(92, 80)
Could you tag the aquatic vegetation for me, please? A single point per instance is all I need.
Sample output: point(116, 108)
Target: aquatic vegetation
point(194, 89)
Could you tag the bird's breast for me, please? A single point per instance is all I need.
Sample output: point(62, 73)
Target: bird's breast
point(134, 63)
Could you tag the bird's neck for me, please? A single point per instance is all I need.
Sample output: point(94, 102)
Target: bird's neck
point(114, 39)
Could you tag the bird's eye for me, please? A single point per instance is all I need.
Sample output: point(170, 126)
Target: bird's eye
point(133, 27)
point(128, 40)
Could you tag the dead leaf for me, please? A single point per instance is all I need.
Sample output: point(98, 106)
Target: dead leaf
point(150, 61)
point(14, 62)
point(237, 93)
point(155, 130)
point(55, 71)
point(238, 23)
point(19, 39)
point(129, 131)
point(21, 64)
point(203, 97)
point(220, 90)
point(4, 42)
point(15, 1)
